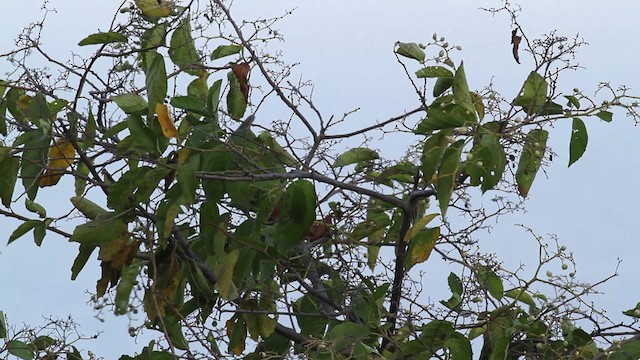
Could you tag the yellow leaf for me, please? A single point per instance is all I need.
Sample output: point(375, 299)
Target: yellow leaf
point(420, 248)
point(60, 157)
point(154, 8)
point(418, 226)
point(239, 347)
point(166, 123)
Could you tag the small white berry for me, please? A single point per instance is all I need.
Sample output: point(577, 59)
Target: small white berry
point(565, 266)
point(446, 45)
point(537, 153)
point(469, 156)
point(549, 274)
point(479, 163)
point(441, 53)
point(442, 38)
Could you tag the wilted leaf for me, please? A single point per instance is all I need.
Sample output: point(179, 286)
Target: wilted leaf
point(103, 38)
point(579, 140)
point(61, 156)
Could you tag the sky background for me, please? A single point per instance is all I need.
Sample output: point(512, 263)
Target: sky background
point(346, 48)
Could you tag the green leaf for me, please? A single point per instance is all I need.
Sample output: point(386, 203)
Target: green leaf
point(9, 167)
point(605, 115)
point(131, 103)
point(421, 246)
point(442, 84)
point(432, 152)
point(3, 326)
point(276, 149)
point(411, 50)
point(418, 226)
point(156, 81)
point(488, 160)
point(459, 347)
point(225, 50)
point(42, 342)
point(579, 140)
point(128, 279)
point(34, 160)
point(455, 284)
point(35, 208)
point(534, 95)
point(20, 349)
point(446, 113)
point(151, 40)
point(521, 295)
point(213, 97)
point(22, 229)
point(99, 231)
point(572, 101)
point(355, 155)
point(144, 139)
point(226, 287)
point(310, 325)
point(80, 261)
point(297, 213)
point(532, 154)
point(103, 38)
point(236, 102)
point(182, 49)
point(627, 350)
point(491, 282)
point(40, 230)
point(434, 72)
point(346, 333)
point(188, 181)
point(190, 103)
point(447, 174)
point(461, 94)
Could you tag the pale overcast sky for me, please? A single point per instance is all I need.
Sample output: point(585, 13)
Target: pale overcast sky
point(345, 47)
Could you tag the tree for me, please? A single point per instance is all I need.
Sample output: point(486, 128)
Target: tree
point(238, 233)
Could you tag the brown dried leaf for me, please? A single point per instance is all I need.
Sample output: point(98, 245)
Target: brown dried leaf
point(241, 71)
point(515, 40)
